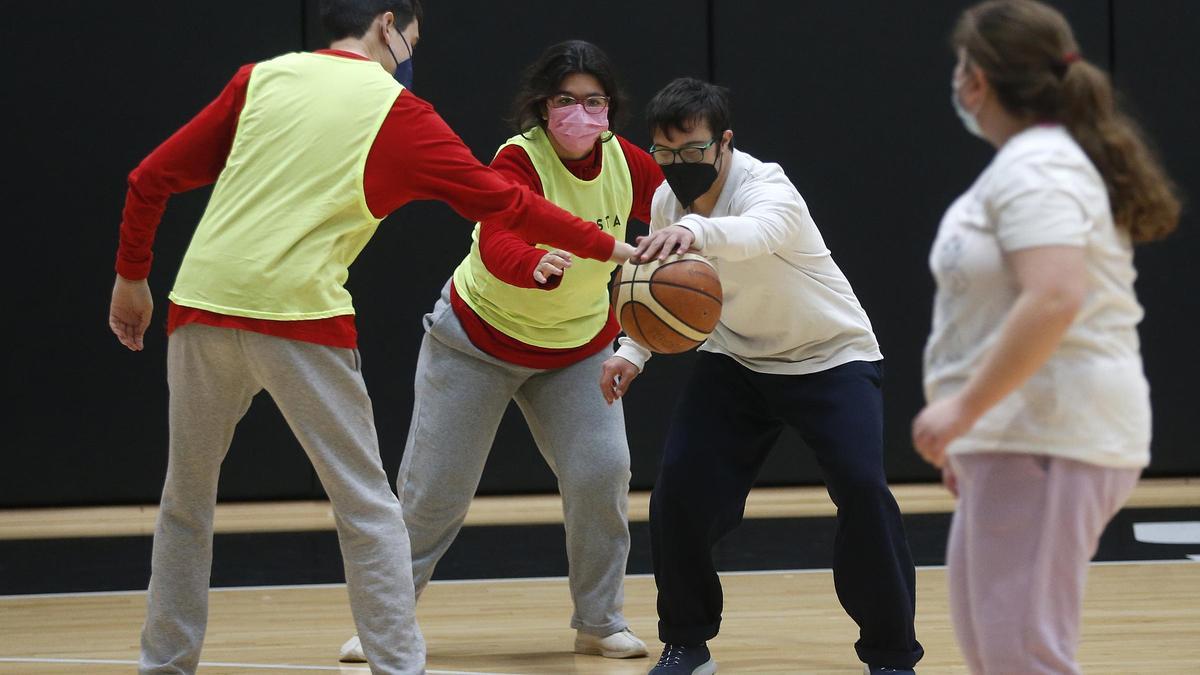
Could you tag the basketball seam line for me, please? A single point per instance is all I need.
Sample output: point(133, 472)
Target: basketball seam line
point(672, 284)
point(669, 326)
point(676, 316)
point(637, 323)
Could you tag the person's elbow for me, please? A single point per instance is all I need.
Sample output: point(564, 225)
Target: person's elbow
point(1062, 300)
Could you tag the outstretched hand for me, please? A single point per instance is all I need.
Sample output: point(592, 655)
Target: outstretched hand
point(664, 242)
point(621, 253)
point(130, 311)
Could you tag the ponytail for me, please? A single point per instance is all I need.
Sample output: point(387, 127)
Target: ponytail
point(1141, 194)
point(1031, 60)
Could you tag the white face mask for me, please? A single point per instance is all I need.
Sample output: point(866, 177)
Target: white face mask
point(967, 117)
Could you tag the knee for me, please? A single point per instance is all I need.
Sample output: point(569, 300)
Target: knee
point(689, 504)
point(601, 473)
point(672, 489)
point(862, 490)
point(426, 505)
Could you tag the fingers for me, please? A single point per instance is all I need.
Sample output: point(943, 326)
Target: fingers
point(677, 240)
point(130, 311)
point(559, 259)
point(624, 378)
point(623, 252)
point(544, 271)
point(127, 334)
point(666, 245)
point(552, 264)
point(950, 480)
point(686, 239)
point(608, 384)
point(928, 443)
point(645, 248)
point(660, 244)
point(670, 241)
point(933, 450)
point(615, 379)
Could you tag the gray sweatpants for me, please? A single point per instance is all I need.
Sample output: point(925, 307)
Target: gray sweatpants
point(213, 373)
point(1017, 561)
point(461, 394)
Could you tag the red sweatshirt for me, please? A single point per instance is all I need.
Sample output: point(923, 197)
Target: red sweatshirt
point(415, 156)
point(512, 257)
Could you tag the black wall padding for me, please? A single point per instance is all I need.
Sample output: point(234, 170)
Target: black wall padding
point(852, 98)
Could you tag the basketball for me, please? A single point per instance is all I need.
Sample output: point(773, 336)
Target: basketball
point(668, 306)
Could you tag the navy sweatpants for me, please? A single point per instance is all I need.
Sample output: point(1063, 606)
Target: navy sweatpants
point(726, 422)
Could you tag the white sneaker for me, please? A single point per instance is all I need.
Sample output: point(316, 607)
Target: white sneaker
point(352, 652)
point(620, 645)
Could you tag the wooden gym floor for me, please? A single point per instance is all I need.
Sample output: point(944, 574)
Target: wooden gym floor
point(1139, 617)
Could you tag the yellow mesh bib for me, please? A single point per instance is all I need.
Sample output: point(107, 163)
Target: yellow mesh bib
point(288, 214)
point(576, 311)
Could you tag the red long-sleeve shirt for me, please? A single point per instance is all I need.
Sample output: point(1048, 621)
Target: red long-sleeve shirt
point(512, 257)
point(415, 156)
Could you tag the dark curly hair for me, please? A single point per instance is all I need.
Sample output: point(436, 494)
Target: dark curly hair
point(543, 79)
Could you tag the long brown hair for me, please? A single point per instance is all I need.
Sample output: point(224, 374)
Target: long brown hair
point(1031, 60)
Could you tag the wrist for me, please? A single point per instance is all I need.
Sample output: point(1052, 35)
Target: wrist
point(694, 228)
point(972, 404)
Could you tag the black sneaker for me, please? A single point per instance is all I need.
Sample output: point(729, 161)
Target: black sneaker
point(681, 660)
point(884, 670)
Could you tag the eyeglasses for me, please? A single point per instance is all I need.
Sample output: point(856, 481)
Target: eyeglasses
point(691, 154)
point(592, 104)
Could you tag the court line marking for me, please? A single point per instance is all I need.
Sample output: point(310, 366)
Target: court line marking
point(518, 580)
point(1180, 532)
point(222, 664)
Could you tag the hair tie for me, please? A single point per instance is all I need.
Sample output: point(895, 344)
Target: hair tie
point(1070, 57)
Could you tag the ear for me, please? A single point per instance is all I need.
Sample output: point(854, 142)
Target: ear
point(974, 86)
point(727, 138)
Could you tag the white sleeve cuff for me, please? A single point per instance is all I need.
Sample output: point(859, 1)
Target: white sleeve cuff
point(695, 225)
point(633, 352)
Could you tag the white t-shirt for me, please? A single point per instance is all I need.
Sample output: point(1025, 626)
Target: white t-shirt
point(787, 307)
point(1090, 402)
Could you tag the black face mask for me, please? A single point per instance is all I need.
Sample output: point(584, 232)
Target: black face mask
point(690, 181)
point(404, 69)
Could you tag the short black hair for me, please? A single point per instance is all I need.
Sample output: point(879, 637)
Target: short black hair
point(686, 101)
point(543, 79)
point(352, 18)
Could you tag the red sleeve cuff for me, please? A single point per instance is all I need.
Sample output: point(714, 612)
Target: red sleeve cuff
point(600, 249)
point(133, 271)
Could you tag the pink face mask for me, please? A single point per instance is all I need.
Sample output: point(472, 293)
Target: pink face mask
point(576, 129)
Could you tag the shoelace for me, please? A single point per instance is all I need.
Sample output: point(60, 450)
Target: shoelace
point(670, 656)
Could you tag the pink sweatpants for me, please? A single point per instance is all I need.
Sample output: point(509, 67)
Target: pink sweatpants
point(1024, 531)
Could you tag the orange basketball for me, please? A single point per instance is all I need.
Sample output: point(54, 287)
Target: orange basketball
point(669, 306)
